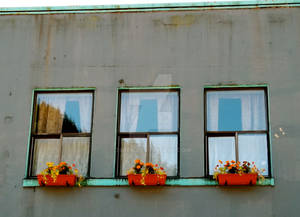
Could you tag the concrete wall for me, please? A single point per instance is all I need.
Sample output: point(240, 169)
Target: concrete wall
point(190, 49)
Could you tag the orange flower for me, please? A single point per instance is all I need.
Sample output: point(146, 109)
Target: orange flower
point(220, 162)
point(138, 167)
point(227, 161)
point(137, 161)
point(149, 165)
point(232, 161)
point(230, 167)
point(141, 163)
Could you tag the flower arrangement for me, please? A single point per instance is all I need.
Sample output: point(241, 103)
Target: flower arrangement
point(53, 172)
point(236, 167)
point(146, 174)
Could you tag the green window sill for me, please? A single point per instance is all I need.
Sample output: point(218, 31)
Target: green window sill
point(169, 182)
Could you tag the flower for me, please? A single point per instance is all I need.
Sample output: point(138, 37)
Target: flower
point(137, 161)
point(61, 169)
point(235, 168)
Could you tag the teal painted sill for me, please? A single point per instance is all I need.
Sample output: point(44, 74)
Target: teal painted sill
point(169, 182)
point(151, 7)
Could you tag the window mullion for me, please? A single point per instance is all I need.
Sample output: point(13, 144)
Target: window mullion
point(148, 148)
point(60, 149)
point(236, 147)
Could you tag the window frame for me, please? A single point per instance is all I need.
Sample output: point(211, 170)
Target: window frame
point(33, 121)
point(235, 134)
point(120, 135)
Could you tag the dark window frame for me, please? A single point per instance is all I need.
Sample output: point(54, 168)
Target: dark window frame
point(120, 135)
point(235, 134)
point(35, 135)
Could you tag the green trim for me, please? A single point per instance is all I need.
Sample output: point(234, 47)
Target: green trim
point(171, 182)
point(64, 89)
point(270, 133)
point(151, 7)
point(236, 85)
point(116, 126)
point(149, 88)
point(29, 135)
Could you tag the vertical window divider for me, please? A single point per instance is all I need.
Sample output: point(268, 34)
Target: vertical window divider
point(236, 147)
point(148, 148)
point(60, 149)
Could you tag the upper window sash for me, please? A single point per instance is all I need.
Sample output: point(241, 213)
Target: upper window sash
point(149, 111)
point(236, 110)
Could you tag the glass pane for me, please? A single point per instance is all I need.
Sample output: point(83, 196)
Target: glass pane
point(131, 149)
point(220, 148)
point(67, 112)
point(149, 112)
point(45, 150)
point(163, 151)
point(253, 147)
point(236, 110)
point(75, 150)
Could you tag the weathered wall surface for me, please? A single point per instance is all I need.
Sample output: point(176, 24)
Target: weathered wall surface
point(190, 49)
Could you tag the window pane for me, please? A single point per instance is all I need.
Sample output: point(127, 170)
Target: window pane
point(131, 149)
point(236, 110)
point(68, 112)
point(76, 150)
point(220, 148)
point(163, 151)
point(45, 150)
point(149, 112)
point(253, 147)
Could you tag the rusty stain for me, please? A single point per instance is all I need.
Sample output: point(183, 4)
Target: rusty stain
point(47, 52)
point(177, 20)
point(41, 29)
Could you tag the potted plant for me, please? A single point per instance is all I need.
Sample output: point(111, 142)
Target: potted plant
point(146, 174)
point(59, 175)
point(237, 173)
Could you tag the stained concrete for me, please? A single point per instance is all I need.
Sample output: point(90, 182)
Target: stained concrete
point(190, 49)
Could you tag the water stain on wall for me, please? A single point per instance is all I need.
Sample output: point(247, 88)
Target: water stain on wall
point(177, 20)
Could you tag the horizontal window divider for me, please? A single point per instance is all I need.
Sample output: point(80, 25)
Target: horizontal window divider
point(44, 135)
point(76, 134)
point(180, 182)
point(239, 132)
point(147, 133)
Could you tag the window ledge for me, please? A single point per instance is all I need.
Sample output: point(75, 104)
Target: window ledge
point(170, 182)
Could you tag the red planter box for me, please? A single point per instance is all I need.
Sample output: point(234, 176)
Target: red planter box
point(61, 180)
point(150, 179)
point(135, 179)
point(237, 179)
point(161, 179)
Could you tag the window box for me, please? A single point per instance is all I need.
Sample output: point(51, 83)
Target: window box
point(135, 179)
point(61, 180)
point(237, 179)
point(149, 179)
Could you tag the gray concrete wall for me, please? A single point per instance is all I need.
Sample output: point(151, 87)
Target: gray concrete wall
point(247, 46)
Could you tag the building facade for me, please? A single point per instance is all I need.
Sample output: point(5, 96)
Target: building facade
point(156, 81)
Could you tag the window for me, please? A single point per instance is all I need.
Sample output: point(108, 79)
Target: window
point(61, 130)
point(236, 127)
point(148, 129)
